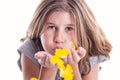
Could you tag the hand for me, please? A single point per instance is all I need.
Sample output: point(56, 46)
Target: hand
point(75, 56)
point(44, 59)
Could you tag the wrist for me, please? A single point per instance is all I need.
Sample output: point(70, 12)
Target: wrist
point(76, 73)
point(53, 69)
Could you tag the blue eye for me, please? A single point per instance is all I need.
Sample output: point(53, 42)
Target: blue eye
point(69, 28)
point(51, 27)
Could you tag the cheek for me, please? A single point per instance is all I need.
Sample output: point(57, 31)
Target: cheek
point(43, 39)
point(71, 37)
point(46, 42)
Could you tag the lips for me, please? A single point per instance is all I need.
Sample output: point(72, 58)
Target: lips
point(57, 47)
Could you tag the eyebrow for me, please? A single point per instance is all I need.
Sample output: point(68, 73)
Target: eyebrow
point(49, 23)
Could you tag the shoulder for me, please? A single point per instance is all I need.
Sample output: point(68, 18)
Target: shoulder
point(96, 60)
point(28, 46)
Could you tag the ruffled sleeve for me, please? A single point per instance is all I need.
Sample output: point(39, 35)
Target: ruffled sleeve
point(94, 60)
point(97, 59)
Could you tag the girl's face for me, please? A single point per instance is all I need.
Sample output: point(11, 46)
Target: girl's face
point(59, 31)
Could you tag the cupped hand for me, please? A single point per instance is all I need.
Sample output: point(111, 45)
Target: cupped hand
point(75, 56)
point(44, 59)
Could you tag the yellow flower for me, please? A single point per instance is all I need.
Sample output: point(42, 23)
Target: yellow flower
point(66, 72)
point(62, 53)
point(69, 68)
point(33, 78)
point(54, 59)
point(60, 63)
point(59, 53)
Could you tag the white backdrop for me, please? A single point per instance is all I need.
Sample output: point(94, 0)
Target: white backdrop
point(15, 16)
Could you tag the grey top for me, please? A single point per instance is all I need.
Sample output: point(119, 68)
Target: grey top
point(29, 48)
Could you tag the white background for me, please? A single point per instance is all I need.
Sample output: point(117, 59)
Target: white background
point(15, 16)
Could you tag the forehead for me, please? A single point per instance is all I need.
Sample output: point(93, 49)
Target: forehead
point(61, 16)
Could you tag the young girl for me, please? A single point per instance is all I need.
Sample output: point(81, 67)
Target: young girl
point(57, 23)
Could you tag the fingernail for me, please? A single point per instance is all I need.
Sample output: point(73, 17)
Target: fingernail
point(82, 50)
point(36, 55)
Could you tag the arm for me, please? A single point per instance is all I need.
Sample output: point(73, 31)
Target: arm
point(93, 75)
point(46, 73)
point(29, 69)
point(73, 61)
point(48, 70)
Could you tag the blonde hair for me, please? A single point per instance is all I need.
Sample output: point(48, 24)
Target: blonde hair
point(89, 35)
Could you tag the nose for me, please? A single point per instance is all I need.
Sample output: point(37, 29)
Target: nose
point(59, 37)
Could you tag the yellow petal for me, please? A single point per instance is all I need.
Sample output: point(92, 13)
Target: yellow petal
point(62, 53)
point(66, 72)
point(73, 46)
point(60, 63)
point(54, 59)
point(69, 68)
point(33, 78)
point(62, 72)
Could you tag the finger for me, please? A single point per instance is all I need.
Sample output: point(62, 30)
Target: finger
point(42, 60)
point(39, 60)
point(48, 55)
point(81, 52)
point(69, 57)
point(65, 60)
point(47, 61)
point(39, 54)
point(75, 56)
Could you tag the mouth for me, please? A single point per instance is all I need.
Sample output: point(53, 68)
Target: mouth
point(54, 49)
point(57, 48)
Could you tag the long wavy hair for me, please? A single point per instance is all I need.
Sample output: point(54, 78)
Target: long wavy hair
point(89, 34)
